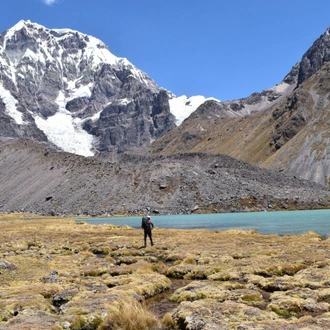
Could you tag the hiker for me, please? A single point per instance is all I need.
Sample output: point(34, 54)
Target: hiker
point(147, 225)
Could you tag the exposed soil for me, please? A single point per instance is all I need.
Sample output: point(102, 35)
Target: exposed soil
point(161, 304)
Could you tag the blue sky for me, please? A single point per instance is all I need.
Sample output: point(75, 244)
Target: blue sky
point(225, 49)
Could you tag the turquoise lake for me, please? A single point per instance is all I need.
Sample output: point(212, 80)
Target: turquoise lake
point(282, 223)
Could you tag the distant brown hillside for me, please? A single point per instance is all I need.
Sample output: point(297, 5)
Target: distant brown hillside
point(291, 136)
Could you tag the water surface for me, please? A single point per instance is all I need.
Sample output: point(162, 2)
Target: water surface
point(282, 223)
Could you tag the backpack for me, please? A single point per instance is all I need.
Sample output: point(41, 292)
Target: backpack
point(146, 223)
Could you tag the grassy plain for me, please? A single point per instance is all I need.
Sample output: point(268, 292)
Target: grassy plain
point(58, 274)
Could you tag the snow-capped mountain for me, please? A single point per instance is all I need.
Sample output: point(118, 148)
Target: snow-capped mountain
point(67, 88)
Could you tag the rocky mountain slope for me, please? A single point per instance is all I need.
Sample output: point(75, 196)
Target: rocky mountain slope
point(39, 180)
point(284, 131)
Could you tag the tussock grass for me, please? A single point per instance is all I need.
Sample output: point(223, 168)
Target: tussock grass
point(224, 276)
point(189, 260)
point(101, 268)
point(281, 270)
point(130, 316)
point(167, 321)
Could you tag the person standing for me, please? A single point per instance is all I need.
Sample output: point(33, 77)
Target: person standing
point(147, 226)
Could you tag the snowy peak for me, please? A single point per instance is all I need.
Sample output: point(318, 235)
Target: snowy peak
point(59, 83)
point(56, 45)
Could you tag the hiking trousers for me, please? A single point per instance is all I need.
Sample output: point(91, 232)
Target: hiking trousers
point(147, 233)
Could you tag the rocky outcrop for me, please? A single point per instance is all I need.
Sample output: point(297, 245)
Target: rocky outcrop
point(290, 119)
point(315, 57)
point(128, 123)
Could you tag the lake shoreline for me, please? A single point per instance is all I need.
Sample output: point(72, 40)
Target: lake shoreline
point(277, 222)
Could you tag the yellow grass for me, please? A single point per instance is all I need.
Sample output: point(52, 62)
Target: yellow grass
point(103, 273)
point(130, 316)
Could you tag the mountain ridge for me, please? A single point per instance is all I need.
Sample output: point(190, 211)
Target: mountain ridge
point(289, 134)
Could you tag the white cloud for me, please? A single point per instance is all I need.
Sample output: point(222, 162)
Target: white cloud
point(49, 2)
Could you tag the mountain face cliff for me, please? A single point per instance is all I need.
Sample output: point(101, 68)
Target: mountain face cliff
point(284, 128)
point(65, 88)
